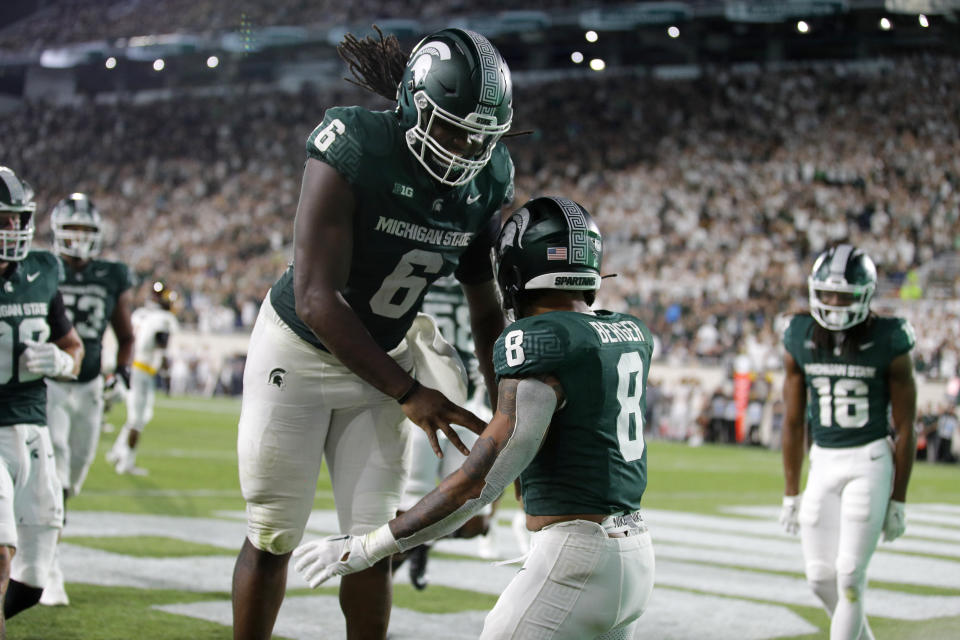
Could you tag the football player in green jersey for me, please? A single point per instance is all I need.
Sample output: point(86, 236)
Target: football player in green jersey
point(390, 201)
point(569, 423)
point(856, 369)
point(37, 341)
point(95, 292)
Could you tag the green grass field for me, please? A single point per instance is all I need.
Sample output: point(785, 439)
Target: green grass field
point(189, 450)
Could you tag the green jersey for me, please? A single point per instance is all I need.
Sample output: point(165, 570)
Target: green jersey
point(90, 297)
point(26, 302)
point(849, 395)
point(408, 229)
point(593, 459)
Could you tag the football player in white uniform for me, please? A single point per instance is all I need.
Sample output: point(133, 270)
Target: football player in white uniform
point(856, 368)
point(95, 292)
point(37, 341)
point(153, 326)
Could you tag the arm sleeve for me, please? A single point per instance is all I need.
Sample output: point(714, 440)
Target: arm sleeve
point(536, 402)
point(60, 324)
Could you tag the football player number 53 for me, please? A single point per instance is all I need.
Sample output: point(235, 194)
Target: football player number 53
point(629, 394)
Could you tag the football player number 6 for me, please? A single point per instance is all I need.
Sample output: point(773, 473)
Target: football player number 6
point(402, 288)
point(329, 133)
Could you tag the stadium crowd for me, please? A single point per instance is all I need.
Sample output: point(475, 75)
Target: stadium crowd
point(714, 193)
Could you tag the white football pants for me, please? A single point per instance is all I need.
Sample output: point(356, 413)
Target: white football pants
point(301, 405)
point(140, 399)
point(576, 584)
point(31, 501)
point(841, 518)
point(74, 416)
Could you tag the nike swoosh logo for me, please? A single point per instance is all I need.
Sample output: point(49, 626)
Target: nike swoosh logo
point(865, 346)
point(874, 457)
point(472, 199)
point(100, 273)
point(33, 276)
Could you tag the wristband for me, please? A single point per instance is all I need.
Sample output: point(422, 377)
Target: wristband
point(409, 392)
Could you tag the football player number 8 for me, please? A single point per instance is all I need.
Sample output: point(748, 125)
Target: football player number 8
point(629, 394)
point(30, 329)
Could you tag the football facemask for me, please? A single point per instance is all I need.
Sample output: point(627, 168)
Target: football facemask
point(77, 227)
point(16, 217)
point(455, 101)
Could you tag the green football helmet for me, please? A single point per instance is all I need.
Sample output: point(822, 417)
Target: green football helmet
point(16, 216)
point(549, 243)
point(455, 101)
point(841, 286)
point(77, 227)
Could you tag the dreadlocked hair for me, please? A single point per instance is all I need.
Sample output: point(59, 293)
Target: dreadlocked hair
point(376, 63)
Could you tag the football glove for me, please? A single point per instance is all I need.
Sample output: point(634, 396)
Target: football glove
point(789, 513)
point(319, 560)
point(123, 372)
point(895, 522)
point(47, 359)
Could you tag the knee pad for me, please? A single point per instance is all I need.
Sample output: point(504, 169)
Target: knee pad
point(271, 534)
point(850, 579)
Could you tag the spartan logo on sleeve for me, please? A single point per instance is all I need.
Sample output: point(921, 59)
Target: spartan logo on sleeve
point(277, 378)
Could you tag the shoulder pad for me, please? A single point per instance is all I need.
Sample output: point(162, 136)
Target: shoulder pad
point(348, 134)
point(529, 346)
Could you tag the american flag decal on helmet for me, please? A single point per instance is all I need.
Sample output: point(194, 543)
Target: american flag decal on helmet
point(556, 253)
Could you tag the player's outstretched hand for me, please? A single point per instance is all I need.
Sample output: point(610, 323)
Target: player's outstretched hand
point(432, 411)
point(319, 560)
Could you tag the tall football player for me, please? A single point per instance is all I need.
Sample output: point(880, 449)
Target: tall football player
point(390, 201)
point(36, 342)
point(153, 325)
point(569, 423)
point(95, 292)
point(856, 368)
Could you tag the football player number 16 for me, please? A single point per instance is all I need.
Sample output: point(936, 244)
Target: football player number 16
point(629, 394)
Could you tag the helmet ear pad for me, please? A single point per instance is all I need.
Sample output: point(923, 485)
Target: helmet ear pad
point(513, 289)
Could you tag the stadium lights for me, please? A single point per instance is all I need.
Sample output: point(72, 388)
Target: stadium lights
point(885, 24)
point(597, 64)
point(803, 27)
point(591, 36)
point(923, 21)
point(673, 31)
point(576, 57)
point(213, 61)
point(110, 62)
point(158, 64)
